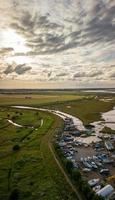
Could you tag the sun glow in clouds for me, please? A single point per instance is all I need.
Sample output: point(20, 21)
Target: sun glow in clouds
point(69, 41)
point(11, 39)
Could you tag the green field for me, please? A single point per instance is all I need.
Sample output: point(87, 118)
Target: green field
point(86, 109)
point(16, 99)
point(31, 170)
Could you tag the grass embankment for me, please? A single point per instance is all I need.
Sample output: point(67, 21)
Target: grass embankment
point(31, 169)
point(88, 110)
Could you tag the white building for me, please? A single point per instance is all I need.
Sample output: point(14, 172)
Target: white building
point(106, 191)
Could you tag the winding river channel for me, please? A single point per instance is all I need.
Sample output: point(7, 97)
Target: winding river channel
point(108, 119)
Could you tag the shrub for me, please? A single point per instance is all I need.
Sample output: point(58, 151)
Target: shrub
point(76, 175)
point(14, 194)
point(69, 166)
point(16, 147)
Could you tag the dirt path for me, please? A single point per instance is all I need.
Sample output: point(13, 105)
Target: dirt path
point(49, 137)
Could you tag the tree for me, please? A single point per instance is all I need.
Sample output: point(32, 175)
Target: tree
point(76, 175)
point(69, 166)
point(37, 113)
point(16, 147)
point(14, 194)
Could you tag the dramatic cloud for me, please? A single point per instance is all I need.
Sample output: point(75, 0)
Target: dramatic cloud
point(19, 69)
point(9, 70)
point(5, 51)
point(69, 40)
point(22, 69)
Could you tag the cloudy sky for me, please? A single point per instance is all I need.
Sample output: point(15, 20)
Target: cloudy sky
point(57, 43)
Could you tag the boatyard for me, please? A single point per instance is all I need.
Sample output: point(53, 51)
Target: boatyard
point(90, 152)
point(94, 156)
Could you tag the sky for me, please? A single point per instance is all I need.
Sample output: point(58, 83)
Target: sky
point(57, 43)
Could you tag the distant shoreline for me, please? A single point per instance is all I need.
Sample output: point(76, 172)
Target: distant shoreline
point(32, 91)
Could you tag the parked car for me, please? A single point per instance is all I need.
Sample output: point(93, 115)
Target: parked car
point(104, 171)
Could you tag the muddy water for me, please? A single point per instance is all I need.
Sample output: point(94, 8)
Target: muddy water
point(108, 119)
point(77, 122)
point(11, 122)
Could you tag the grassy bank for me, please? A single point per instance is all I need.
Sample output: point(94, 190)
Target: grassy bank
point(88, 110)
point(30, 172)
point(108, 130)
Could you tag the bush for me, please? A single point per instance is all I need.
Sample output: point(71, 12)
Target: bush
point(16, 147)
point(14, 195)
point(76, 175)
point(69, 166)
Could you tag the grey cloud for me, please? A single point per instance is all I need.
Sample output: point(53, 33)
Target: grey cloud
point(112, 66)
point(88, 73)
point(44, 22)
point(49, 74)
point(54, 39)
point(79, 74)
point(18, 27)
point(85, 28)
point(29, 24)
point(4, 51)
point(94, 73)
point(112, 75)
point(100, 27)
point(75, 35)
point(34, 26)
point(46, 37)
point(51, 48)
point(8, 70)
point(48, 40)
point(62, 74)
point(19, 69)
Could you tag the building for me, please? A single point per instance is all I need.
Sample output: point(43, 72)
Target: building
point(106, 191)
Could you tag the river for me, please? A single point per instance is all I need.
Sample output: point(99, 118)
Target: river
point(108, 119)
